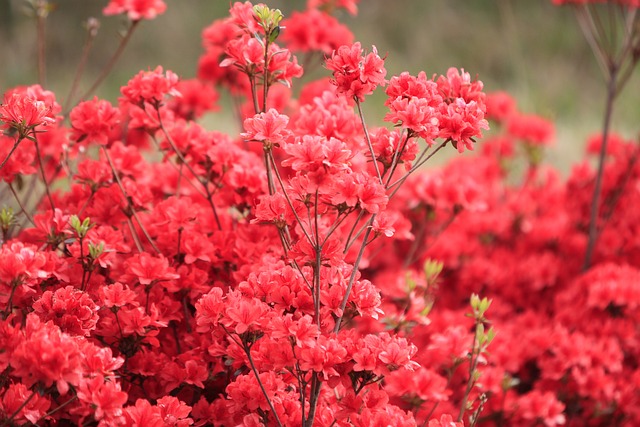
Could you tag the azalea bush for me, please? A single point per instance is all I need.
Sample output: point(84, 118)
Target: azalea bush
point(308, 271)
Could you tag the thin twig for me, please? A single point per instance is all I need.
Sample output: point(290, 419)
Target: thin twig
point(42, 11)
point(112, 61)
point(415, 167)
point(44, 178)
point(595, 200)
point(316, 385)
point(395, 160)
point(11, 152)
point(265, 81)
point(134, 234)
point(247, 350)
point(368, 139)
point(186, 163)
point(254, 93)
point(20, 408)
point(92, 31)
point(352, 277)
point(179, 170)
point(600, 30)
point(612, 201)
point(53, 411)
point(473, 365)
point(130, 208)
point(22, 208)
point(286, 196)
point(583, 21)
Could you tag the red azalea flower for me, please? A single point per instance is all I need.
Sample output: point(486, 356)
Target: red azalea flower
point(69, 308)
point(143, 414)
point(48, 356)
point(93, 121)
point(151, 87)
point(269, 128)
point(350, 6)
point(174, 412)
point(415, 114)
point(462, 122)
point(355, 74)
point(20, 163)
point(243, 314)
point(445, 421)
point(136, 9)
point(197, 98)
point(18, 402)
point(314, 30)
point(25, 113)
point(147, 269)
point(105, 397)
point(458, 84)
point(500, 106)
point(531, 129)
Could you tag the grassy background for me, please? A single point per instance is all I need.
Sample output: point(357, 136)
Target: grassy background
point(529, 48)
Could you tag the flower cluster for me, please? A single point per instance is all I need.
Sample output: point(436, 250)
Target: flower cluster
point(27, 109)
point(136, 9)
point(354, 73)
point(307, 271)
point(449, 107)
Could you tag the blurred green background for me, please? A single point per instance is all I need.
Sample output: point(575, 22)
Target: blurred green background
point(530, 48)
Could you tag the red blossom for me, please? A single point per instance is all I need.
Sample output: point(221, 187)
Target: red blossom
point(462, 123)
point(19, 163)
point(116, 295)
point(146, 269)
point(136, 9)
point(354, 73)
point(93, 121)
point(274, 209)
point(541, 407)
point(151, 87)
point(242, 314)
point(143, 414)
point(270, 128)
point(47, 355)
point(417, 115)
point(407, 86)
point(13, 404)
point(25, 112)
point(445, 421)
point(314, 30)
point(531, 129)
point(245, 392)
point(323, 356)
point(350, 6)
point(242, 16)
point(458, 84)
point(71, 309)
point(371, 194)
point(247, 54)
point(174, 412)
point(196, 98)
point(22, 267)
point(500, 106)
point(105, 397)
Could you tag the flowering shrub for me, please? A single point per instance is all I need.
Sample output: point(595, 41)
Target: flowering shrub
point(307, 271)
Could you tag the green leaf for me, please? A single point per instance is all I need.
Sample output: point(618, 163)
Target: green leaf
point(7, 218)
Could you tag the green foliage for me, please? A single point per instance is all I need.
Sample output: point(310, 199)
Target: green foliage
point(80, 227)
